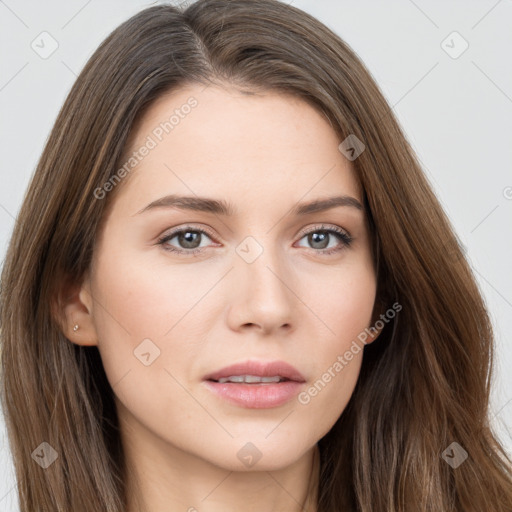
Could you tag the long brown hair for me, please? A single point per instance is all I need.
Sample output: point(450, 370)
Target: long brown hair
point(424, 383)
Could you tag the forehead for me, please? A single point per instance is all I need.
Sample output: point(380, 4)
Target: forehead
point(216, 140)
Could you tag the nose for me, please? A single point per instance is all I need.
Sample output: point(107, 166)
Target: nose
point(263, 297)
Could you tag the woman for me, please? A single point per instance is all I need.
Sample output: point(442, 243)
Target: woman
point(229, 275)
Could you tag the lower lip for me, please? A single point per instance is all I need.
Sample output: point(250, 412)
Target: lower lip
point(256, 396)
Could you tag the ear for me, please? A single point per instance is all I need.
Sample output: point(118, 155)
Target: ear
point(74, 306)
point(375, 326)
point(374, 335)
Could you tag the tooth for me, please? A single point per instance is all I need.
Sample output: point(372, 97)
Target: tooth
point(263, 379)
point(236, 378)
point(249, 379)
point(252, 378)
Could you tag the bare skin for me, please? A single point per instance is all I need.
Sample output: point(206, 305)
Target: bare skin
point(263, 154)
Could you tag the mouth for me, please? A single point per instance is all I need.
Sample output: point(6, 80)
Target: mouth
point(257, 372)
point(256, 385)
point(250, 379)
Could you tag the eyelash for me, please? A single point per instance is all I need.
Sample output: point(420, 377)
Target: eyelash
point(342, 235)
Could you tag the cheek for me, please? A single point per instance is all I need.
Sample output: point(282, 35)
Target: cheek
point(345, 311)
point(326, 397)
point(140, 296)
point(342, 298)
point(142, 307)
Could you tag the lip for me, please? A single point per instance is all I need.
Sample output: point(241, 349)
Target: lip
point(258, 395)
point(259, 369)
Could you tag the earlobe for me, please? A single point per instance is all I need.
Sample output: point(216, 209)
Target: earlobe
point(75, 313)
point(372, 337)
point(375, 327)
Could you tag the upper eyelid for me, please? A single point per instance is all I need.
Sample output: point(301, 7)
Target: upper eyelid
point(303, 232)
point(174, 231)
point(322, 227)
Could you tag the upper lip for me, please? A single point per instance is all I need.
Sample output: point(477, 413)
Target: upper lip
point(259, 369)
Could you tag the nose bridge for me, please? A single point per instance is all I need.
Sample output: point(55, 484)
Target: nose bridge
point(264, 296)
point(263, 262)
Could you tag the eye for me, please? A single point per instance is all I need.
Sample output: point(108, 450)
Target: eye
point(188, 239)
point(320, 238)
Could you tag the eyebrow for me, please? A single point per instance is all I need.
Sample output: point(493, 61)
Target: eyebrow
point(220, 207)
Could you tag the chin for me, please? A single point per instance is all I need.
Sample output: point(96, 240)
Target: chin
point(259, 455)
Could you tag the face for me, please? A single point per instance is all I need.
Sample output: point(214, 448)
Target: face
point(181, 290)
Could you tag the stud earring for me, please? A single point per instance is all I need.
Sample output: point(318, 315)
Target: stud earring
point(75, 328)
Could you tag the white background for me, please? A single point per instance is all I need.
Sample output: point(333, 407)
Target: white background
point(457, 113)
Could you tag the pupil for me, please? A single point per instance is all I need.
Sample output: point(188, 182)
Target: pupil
point(187, 239)
point(319, 237)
